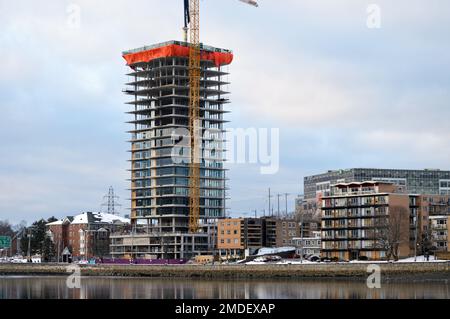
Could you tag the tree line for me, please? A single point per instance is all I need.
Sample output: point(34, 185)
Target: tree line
point(34, 239)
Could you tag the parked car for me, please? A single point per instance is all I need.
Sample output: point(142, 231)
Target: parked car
point(273, 258)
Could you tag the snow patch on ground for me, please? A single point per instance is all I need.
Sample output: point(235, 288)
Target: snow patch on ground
point(419, 259)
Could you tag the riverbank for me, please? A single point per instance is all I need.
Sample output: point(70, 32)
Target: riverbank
point(269, 271)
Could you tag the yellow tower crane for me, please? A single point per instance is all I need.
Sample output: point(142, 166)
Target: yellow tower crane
point(192, 23)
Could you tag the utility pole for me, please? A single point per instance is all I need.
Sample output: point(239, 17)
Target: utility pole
point(301, 239)
point(415, 236)
point(278, 212)
point(29, 245)
point(59, 247)
point(269, 202)
point(270, 207)
point(132, 242)
point(286, 199)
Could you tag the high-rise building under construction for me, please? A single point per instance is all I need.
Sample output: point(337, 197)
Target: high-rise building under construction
point(160, 151)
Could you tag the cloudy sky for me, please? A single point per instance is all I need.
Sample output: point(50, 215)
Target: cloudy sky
point(342, 94)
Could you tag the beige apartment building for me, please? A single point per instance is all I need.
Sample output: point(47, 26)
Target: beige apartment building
point(229, 237)
point(361, 220)
point(439, 229)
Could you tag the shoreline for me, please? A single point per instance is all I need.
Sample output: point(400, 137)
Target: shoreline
point(389, 271)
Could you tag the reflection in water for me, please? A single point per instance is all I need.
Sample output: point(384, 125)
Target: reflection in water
point(176, 288)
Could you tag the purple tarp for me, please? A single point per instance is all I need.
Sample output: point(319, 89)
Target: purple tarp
point(117, 261)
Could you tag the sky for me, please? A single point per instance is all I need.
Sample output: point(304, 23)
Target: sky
point(342, 92)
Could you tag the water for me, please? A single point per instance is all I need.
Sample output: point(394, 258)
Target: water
point(176, 288)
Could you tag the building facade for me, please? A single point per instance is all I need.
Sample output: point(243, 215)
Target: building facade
point(287, 230)
point(86, 235)
point(230, 242)
point(236, 235)
point(309, 246)
point(160, 151)
point(253, 233)
point(439, 230)
point(362, 220)
point(427, 181)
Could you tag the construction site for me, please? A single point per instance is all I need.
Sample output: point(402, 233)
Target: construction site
point(178, 97)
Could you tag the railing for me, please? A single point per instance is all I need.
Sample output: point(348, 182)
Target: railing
point(360, 192)
point(167, 43)
point(438, 226)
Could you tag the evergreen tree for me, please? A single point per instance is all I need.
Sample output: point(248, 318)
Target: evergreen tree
point(39, 242)
point(48, 250)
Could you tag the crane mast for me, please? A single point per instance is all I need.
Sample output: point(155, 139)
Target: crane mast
point(195, 125)
point(192, 17)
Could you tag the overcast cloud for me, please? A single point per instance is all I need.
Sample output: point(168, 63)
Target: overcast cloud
point(343, 95)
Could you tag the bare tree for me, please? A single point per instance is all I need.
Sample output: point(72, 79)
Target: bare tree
point(6, 228)
point(391, 230)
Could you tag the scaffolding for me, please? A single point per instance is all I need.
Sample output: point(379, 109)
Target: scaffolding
point(160, 140)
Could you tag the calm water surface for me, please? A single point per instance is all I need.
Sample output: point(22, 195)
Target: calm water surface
point(148, 288)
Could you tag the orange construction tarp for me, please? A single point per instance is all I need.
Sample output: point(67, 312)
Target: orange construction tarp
point(219, 58)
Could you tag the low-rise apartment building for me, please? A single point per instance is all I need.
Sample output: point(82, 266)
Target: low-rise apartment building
point(253, 233)
point(439, 229)
point(363, 220)
point(85, 235)
point(279, 232)
point(287, 230)
point(309, 246)
point(236, 235)
point(230, 241)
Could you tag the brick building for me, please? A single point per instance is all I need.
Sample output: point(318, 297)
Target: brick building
point(362, 219)
point(230, 238)
point(85, 235)
point(236, 235)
